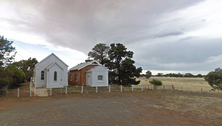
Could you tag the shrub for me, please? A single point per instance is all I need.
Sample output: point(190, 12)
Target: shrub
point(156, 82)
point(214, 79)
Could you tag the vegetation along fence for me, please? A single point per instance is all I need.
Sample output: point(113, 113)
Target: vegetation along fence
point(82, 90)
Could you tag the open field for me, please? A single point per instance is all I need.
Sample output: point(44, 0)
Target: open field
point(186, 84)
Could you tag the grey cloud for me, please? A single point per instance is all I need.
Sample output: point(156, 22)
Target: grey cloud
point(198, 54)
point(169, 34)
point(140, 25)
point(187, 38)
point(85, 23)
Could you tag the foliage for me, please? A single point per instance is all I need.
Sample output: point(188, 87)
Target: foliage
point(214, 79)
point(18, 75)
point(156, 82)
point(5, 77)
point(148, 74)
point(6, 50)
point(99, 52)
point(6, 56)
point(122, 70)
point(27, 66)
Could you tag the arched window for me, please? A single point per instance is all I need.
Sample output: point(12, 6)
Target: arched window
point(42, 75)
point(55, 76)
point(100, 77)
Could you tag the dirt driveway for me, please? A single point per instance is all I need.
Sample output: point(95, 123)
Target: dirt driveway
point(101, 109)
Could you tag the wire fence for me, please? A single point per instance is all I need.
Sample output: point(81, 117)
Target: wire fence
point(82, 89)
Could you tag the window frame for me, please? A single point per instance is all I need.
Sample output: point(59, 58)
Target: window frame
point(70, 77)
point(100, 78)
point(76, 77)
point(55, 75)
point(42, 75)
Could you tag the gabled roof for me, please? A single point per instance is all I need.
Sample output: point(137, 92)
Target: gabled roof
point(52, 64)
point(82, 65)
point(97, 68)
point(49, 56)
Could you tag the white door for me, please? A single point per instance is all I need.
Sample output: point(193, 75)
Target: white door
point(89, 80)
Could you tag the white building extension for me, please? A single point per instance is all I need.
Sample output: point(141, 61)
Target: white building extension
point(97, 76)
point(51, 72)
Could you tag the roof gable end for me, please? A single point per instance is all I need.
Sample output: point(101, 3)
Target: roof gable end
point(48, 57)
point(82, 65)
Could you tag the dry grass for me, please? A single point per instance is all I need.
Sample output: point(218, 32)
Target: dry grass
point(186, 84)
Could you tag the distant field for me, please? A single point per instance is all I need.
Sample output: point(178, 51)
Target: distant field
point(187, 84)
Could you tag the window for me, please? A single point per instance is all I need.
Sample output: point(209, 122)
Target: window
point(76, 77)
point(70, 77)
point(100, 77)
point(42, 75)
point(55, 76)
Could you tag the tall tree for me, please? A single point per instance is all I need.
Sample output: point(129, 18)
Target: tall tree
point(148, 74)
point(6, 56)
point(6, 51)
point(122, 70)
point(27, 66)
point(99, 52)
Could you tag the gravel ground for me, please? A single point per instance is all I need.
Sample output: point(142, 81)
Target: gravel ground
point(71, 111)
point(124, 109)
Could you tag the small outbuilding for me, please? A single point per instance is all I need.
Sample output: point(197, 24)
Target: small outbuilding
point(91, 74)
point(51, 72)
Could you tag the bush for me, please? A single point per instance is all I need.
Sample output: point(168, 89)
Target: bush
point(156, 82)
point(214, 79)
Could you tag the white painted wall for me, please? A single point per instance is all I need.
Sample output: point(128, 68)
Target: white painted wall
point(94, 73)
point(48, 81)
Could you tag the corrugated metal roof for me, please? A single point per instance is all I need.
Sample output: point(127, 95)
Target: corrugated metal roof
point(82, 65)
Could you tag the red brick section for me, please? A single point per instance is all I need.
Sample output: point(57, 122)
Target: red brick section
point(81, 76)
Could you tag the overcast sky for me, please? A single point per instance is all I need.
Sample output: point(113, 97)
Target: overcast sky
point(165, 35)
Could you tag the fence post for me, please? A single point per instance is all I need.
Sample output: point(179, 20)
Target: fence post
point(142, 87)
point(96, 89)
point(18, 93)
point(35, 92)
point(81, 89)
point(163, 87)
point(132, 88)
point(50, 91)
point(66, 89)
point(109, 89)
point(201, 90)
point(30, 88)
point(121, 88)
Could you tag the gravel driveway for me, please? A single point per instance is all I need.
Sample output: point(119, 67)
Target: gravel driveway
point(95, 111)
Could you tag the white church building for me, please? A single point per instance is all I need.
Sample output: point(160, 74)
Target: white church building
point(51, 72)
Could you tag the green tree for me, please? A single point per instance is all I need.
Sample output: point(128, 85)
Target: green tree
point(156, 83)
point(148, 74)
point(6, 51)
point(99, 52)
point(122, 71)
point(18, 75)
point(5, 78)
point(199, 75)
point(214, 79)
point(27, 66)
point(7, 54)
